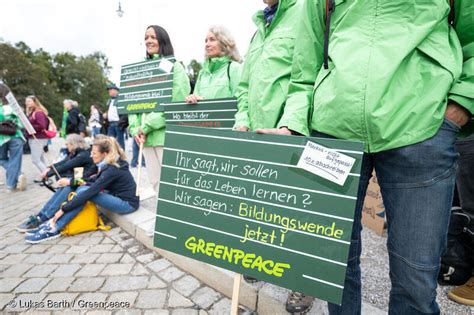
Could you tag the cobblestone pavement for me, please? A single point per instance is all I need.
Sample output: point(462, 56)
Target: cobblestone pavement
point(75, 275)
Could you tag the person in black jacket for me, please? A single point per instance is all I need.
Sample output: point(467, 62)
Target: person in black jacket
point(75, 120)
point(113, 188)
point(79, 157)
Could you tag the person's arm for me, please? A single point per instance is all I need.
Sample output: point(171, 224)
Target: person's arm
point(78, 161)
point(134, 126)
point(235, 73)
point(103, 181)
point(462, 91)
point(73, 118)
point(242, 119)
point(181, 85)
point(40, 121)
point(307, 61)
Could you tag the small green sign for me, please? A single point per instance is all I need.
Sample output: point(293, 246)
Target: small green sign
point(237, 200)
point(215, 113)
point(145, 85)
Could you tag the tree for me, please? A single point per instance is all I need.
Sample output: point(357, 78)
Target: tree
point(53, 78)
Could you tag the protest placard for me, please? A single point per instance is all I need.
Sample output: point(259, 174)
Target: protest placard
point(19, 113)
point(214, 113)
point(239, 201)
point(145, 85)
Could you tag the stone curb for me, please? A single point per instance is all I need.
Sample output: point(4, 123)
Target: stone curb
point(264, 298)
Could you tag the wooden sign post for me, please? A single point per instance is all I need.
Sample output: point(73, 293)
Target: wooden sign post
point(143, 87)
point(239, 201)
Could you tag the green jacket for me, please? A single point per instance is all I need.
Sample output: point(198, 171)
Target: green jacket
point(6, 113)
point(218, 78)
point(393, 65)
point(266, 73)
point(154, 123)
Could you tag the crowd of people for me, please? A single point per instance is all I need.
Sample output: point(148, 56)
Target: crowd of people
point(398, 76)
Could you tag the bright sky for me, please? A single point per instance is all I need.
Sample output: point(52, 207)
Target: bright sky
point(85, 26)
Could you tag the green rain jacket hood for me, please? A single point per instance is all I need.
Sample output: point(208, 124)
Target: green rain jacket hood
point(218, 78)
point(154, 123)
point(266, 73)
point(393, 65)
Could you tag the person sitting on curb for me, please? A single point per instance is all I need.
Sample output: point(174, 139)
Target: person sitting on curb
point(112, 188)
point(79, 156)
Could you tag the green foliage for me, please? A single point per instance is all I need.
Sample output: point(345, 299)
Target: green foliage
point(53, 78)
point(193, 69)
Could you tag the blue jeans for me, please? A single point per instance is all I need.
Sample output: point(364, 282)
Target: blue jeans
point(103, 200)
point(136, 151)
point(54, 203)
point(95, 131)
point(11, 153)
point(417, 183)
point(115, 131)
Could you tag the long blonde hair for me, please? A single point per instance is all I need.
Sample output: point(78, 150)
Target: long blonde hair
point(226, 41)
point(38, 104)
point(110, 146)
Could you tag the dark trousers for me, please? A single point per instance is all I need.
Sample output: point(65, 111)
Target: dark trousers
point(465, 173)
point(115, 131)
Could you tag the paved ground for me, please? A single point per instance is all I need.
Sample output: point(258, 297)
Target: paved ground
point(76, 273)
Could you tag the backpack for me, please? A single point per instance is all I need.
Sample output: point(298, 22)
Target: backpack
point(82, 127)
point(458, 261)
point(52, 129)
point(86, 220)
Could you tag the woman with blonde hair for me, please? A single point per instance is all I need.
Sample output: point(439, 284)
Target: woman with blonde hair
point(112, 188)
point(220, 74)
point(38, 117)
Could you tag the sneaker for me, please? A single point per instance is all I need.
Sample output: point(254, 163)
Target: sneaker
point(44, 234)
point(297, 302)
point(40, 227)
point(30, 224)
point(21, 185)
point(463, 294)
point(250, 279)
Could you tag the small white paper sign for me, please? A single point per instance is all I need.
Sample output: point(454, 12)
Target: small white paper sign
point(166, 65)
point(327, 163)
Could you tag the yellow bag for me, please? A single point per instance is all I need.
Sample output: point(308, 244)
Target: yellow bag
point(86, 220)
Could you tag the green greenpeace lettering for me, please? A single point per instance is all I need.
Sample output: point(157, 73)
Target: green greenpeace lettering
point(142, 106)
point(236, 256)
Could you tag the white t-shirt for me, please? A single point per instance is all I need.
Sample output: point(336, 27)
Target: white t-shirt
point(112, 113)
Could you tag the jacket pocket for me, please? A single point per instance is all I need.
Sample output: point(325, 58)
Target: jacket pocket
point(322, 75)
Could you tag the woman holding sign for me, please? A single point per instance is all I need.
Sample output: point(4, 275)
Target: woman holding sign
point(151, 129)
point(220, 74)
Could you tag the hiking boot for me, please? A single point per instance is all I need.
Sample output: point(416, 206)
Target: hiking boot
point(463, 294)
point(30, 224)
point(250, 279)
point(21, 185)
point(44, 234)
point(297, 302)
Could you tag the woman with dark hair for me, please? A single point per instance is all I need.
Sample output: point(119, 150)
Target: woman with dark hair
point(152, 131)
